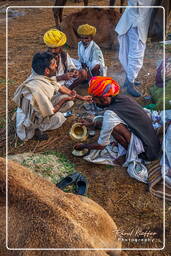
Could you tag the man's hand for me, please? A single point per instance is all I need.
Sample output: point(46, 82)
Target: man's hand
point(87, 98)
point(75, 73)
point(69, 98)
point(80, 146)
point(61, 102)
point(67, 76)
point(73, 93)
point(86, 122)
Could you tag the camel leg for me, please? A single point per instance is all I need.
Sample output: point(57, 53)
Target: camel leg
point(57, 12)
point(112, 2)
point(85, 2)
point(122, 4)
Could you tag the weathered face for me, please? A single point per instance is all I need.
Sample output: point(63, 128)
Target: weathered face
point(86, 40)
point(51, 71)
point(102, 101)
point(55, 51)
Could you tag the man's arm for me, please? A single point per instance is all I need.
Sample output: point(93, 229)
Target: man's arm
point(67, 76)
point(89, 146)
point(63, 89)
point(61, 102)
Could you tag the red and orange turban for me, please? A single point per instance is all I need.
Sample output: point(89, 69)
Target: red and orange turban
point(103, 86)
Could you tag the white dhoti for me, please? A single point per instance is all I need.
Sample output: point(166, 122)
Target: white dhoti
point(112, 152)
point(25, 128)
point(131, 53)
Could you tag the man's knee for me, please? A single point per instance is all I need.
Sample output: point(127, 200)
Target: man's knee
point(96, 70)
point(83, 74)
point(70, 103)
point(66, 106)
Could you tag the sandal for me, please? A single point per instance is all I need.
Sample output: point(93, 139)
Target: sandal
point(70, 179)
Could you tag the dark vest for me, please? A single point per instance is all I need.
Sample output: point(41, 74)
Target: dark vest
point(138, 122)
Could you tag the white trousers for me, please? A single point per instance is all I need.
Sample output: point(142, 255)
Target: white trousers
point(25, 128)
point(131, 53)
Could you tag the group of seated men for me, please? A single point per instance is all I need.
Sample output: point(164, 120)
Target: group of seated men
point(48, 92)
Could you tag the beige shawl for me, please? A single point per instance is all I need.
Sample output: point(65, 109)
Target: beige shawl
point(42, 90)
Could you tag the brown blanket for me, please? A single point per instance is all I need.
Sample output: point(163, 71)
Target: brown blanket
point(156, 186)
point(138, 122)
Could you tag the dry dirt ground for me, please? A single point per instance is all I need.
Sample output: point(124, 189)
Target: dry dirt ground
point(126, 200)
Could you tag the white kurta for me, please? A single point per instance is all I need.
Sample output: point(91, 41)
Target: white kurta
point(60, 71)
point(91, 56)
point(132, 30)
point(136, 17)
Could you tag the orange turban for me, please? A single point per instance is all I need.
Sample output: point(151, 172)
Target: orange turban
point(103, 86)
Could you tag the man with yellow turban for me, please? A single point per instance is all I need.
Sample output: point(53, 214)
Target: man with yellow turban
point(126, 130)
point(67, 74)
point(89, 53)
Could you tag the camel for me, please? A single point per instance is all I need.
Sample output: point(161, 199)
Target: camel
point(104, 20)
point(42, 216)
point(57, 12)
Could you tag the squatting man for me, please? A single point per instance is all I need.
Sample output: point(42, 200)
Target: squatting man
point(126, 129)
point(41, 100)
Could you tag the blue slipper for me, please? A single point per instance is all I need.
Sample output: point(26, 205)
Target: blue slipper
point(68, 180)
point(81, 185)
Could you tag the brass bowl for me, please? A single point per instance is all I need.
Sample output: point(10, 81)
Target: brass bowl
point(78, 132)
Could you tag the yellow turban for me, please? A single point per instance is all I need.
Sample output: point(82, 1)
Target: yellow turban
point(54, 38)
point(86, 30)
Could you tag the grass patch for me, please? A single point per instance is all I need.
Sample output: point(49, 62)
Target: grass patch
point(51, 165)
point(2, 123)
point(3, 81)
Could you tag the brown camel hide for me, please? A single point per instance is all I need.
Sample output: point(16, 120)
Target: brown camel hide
point(104, 20)
point(58, 12)
point(42, 216)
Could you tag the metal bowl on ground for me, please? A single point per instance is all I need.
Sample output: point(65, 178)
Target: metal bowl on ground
point(78, 132)
point(80, 152)
point(91, 133)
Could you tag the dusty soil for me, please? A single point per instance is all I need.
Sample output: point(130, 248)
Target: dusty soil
point(126, 200)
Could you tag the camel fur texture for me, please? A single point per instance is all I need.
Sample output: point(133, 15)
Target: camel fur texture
point(104, 20)
point(42, 216)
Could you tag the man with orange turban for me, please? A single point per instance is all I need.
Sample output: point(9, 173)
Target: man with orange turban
point(125, 123)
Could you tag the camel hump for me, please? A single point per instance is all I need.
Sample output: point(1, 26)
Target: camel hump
point(104, 20)
point(43, 216)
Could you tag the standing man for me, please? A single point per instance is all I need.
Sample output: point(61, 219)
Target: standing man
point(132, 31)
